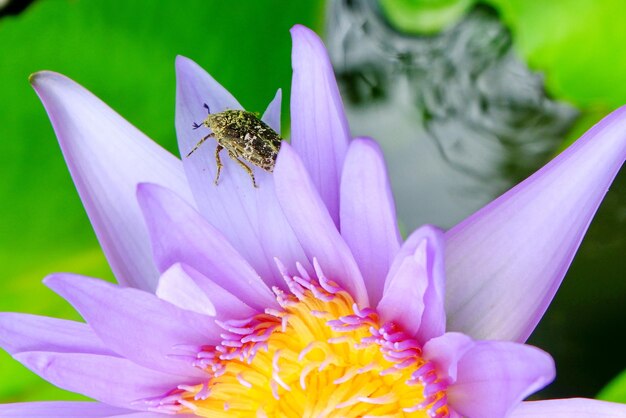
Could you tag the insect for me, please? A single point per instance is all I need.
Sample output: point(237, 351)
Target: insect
point(245, 137)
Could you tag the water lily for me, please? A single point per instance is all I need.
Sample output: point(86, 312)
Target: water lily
point(299, 298)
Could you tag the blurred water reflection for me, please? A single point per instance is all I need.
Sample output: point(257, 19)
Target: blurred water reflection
point(459, 116)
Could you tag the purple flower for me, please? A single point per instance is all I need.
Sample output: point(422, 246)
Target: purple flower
point(299, 298)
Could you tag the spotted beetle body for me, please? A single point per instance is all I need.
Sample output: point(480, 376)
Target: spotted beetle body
point(246, 138)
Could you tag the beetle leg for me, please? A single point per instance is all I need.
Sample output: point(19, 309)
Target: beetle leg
point(218, 161)
point(244, 166)
point(211, 135)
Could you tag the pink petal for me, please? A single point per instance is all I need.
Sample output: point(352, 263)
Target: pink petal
point(272, 113)
point(319, 130)
point(313, 225)
point(569, 408)
point(505, 262)
point(61, 410)
point(112, 380)
point(368, 214)
point(23, 332)
point(180, 235)
point(107, 157)
point(403, 300)
point(415, 285)
point(494, 376)
point(249, 217)
point(179, 289)
point(446, 351)
point(187, 288)
point(151, 415)
point(137, 324)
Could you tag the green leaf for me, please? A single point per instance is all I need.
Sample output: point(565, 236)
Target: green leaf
point(615, 391)
point(576, 43)
point(124, 52)
point(424, 16)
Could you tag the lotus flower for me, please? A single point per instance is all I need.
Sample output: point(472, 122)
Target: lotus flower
point(299, 298)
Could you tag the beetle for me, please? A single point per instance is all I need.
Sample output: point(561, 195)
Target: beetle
point(244, 136)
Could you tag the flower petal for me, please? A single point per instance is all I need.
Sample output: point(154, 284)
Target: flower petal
point(505, 262)
point(112, 380)
point(403, 300)
point(179, 289)
point(368, 214)
point(446, 351)
point(570, 408)
point(23, 332)
point(319, 129)
point(415, 285)
point(107, 157)
point(313, 225)
point(180, 234)
point(137, 324)
point(151, 415)
point(60, 410)
point(249, 217)
point(187, 288)
point(494, 376)
point(272, 113)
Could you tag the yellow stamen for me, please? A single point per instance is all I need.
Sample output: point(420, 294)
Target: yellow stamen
point(319, 356)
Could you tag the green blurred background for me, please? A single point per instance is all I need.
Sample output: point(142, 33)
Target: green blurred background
point(124, 51)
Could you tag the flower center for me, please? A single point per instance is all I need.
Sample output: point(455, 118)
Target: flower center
point(318, 356)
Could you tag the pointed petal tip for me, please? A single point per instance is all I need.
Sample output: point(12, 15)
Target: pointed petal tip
point(151, 193)
point(299, 29)
point(28, 360)
point(32, 79)
point(306, 42)
point(56, 281)
point(181, 61)
point(39, 76)
point(188, 69)
point(366, 141)
point(305, 34)
point(432, 231)
point(52, 280)
point(43, 79)
point(145, 188)
point(418, 266)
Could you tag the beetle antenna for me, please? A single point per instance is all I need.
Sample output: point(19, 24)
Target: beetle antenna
point(208, 109)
